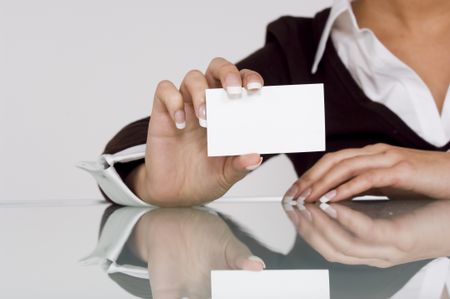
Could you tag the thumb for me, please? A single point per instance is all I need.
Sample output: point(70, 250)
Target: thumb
point(239, 257)
point(236, 168)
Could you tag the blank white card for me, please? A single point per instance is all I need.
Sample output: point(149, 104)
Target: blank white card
point(275, 119)
point(270, 284)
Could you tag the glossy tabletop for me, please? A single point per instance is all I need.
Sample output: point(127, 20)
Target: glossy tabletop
point(89, 249)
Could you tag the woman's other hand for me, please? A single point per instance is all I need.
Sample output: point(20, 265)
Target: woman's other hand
point(378, 168)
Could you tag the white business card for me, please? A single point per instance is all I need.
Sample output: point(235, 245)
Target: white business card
point(274, 119)
point(280, 284)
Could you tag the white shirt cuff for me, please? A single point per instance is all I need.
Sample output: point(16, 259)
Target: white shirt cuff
point(108, 179)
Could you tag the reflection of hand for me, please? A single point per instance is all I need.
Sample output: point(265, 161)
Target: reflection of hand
point(176, 142)
point(341, 234)
point(182, 246)
point(350, 172)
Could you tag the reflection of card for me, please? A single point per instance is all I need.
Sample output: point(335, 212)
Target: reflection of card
point(280, 284)
point(276, 119)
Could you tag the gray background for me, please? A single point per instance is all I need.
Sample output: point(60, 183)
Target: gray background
point(72, 73)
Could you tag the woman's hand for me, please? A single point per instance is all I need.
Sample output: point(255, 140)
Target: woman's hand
point(182, 246)
point(374, 168)
point(177, 170)
point(344, 235)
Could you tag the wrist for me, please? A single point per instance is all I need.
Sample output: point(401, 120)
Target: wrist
point(136, 181)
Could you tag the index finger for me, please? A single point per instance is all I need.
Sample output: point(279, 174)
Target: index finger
point(222, 73)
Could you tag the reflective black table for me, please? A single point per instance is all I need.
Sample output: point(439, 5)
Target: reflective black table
point(89, 249)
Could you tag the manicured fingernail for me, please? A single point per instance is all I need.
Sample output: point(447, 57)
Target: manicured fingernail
point(234, 90)
point(304, 194)
point(202, 122)
point(233, 85)
point(253, 167)
point(289, 195)
point(254, 85)
point(329, 196)
point(257, 259)
point(202, 116)
point(305, 212)
point(329, 210)
point(180, 119)
point(288, 206)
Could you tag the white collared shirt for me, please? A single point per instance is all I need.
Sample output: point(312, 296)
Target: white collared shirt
point(383, 77)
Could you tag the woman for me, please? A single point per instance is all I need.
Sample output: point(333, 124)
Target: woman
point(386, 72)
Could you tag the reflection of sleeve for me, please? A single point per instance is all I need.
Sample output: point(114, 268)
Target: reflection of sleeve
point(113, 253)
point(428, 283)
point(114, 235)
point(269, 61)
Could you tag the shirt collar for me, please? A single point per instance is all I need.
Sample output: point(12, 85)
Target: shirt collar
point(338, 8)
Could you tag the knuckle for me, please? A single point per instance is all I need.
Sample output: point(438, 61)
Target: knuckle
point(300, 184)
point(218, 59)
point(251, 73)
point(194, 74)
point(330, 257)
point(382, 264)
point(224, 182)
point(379, 146)
point(333, 157)
point(393, 153)
point(163, 85)
point(320, 184)
point(229, 68)
point(328, 156)
point(306, 179)
point(348, 165)
point(370, 147)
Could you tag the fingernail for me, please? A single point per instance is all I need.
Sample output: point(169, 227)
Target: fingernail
point(288, 206)
point(234, 90)
point(304, 194)
point(253, 167)
point(202, 116)
point(304, 211)
point(329, 210)
point(254, 85)
point(180, 119)
point(327, 197)
point(257, 259)
point(289, 195)
point(233, 85)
